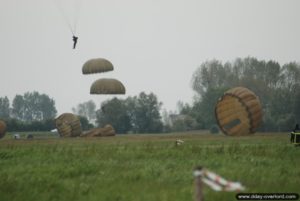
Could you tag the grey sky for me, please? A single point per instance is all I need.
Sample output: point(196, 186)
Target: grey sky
point(155, 45)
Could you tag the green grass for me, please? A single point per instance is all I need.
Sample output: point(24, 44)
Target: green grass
point(143, 167)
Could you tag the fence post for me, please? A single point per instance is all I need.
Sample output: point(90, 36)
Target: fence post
point(198, 184)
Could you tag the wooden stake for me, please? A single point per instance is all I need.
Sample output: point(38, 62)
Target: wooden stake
point(198, 184)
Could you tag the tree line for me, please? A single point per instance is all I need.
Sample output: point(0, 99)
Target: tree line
point(29, 112)
point(277, 86)
point(134, 114)
point(36, 112)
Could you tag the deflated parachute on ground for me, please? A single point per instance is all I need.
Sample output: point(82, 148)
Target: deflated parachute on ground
point(238, 112)
point(68, 125)
point(2, 129)
point(97, 66)
point(107, 86)
point(107, 130)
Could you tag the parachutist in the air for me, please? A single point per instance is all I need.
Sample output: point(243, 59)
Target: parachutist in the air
point(75, 41)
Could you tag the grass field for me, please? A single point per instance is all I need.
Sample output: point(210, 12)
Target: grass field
point(143, 167)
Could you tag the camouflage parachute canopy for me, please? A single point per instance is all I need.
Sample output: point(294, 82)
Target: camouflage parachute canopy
point(238, 112)
point(107, 86)
point(68, 125)
point(98, 65)
point(2, 128)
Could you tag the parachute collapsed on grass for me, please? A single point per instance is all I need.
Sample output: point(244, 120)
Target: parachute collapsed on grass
point(68, 125)
point(238, 112)
point(98, 65)
point(107, 86)
point(107, 130)
point(2, 129)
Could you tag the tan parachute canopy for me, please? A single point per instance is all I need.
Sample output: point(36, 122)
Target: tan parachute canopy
point(238, 112)
point(2, 128)
point(107, 130)
point(97, 66)
point(107, 86)
point(68, 125)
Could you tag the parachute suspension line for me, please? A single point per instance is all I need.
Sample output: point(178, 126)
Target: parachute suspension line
point(64, 16)
point(77, 9)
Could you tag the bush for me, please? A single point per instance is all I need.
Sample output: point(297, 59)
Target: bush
point(214, 129)
point(85, 124)
point(15, 125)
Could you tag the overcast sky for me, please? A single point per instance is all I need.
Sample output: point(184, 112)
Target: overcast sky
point(154, 45)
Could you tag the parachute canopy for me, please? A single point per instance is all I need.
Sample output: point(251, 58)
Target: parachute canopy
point(107, 130)
point(107, 86)
point(238, 112)
point(97, 66)
point(2, 128)
point(68, 125)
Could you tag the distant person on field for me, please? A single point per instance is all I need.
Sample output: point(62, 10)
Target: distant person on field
point(75, 41)
point(296, 130)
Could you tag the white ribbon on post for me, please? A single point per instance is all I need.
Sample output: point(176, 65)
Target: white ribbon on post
point(218, 183)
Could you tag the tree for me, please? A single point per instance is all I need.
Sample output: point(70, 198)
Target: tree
point(209, 75)
point(139, 114)
point(86, 109)
point(18, 107)
point(4, 108)
point(296, 106)
point(114, 112)
point(18, 125)
point(46, 107)
point(146, 112)
point(85, 125)
point(33, 106)
point(166, 120)
point(183, 123)
point(204, 108)
point(184, 108)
